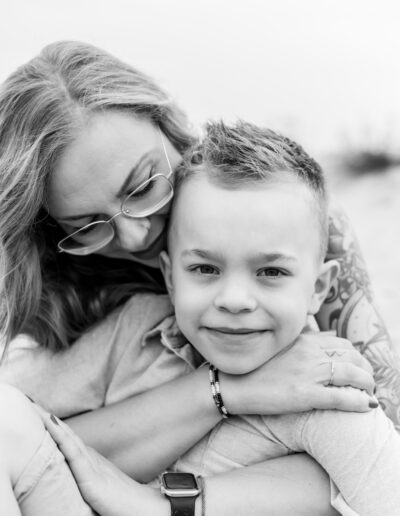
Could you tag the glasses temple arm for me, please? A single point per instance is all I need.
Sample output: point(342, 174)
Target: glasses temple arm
point(165, 151)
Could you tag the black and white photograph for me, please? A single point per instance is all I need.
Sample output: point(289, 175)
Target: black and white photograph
point(200, 258)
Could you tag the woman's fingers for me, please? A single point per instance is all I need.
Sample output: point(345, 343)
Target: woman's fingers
point(343, 374)
point(341, 350)
point(345, 398)
point(76, 453)
point(350, 356)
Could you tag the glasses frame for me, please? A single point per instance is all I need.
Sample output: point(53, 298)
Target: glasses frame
point(90, 249)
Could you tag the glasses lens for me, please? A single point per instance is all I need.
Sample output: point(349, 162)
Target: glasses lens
point(152, 195)
point(88, 239)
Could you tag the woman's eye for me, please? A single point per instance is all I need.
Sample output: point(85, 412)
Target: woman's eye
point(271, 272)
point(145, 186)
point(85, 230)
point(142, 190)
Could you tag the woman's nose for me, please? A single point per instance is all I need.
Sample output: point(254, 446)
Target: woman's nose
point(131, 234)
point(235, 297)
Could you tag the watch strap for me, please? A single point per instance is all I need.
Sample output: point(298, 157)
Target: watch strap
point(182, 506)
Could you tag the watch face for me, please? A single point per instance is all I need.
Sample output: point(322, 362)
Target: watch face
point(179, 485)
point(180, 481)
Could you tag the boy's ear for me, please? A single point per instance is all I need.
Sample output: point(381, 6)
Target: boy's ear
point(166, 269)
point(328, 273)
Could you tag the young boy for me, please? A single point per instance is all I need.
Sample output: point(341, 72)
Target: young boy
point(245, 271)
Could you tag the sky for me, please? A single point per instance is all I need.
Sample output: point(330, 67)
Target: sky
point(325, 72)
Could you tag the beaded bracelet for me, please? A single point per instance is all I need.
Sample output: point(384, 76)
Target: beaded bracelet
point(216, 391)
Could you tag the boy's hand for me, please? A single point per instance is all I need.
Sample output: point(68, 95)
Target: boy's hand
point(319, 371)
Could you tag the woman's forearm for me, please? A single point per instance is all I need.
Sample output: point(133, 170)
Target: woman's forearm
point(351, 312)
point(144, 434)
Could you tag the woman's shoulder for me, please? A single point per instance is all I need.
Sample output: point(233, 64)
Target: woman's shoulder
point(149, 303)
point(144, 311)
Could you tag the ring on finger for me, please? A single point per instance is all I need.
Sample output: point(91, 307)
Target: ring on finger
point(332, 373)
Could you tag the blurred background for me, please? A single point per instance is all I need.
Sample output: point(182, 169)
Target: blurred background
point(326, 73)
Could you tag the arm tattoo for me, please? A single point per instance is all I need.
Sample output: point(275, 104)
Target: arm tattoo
point(349, 310)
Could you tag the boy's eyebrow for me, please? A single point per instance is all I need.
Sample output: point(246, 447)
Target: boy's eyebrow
point(201, 253)
point(274, 257)
point(120, 192)
point(264, 257)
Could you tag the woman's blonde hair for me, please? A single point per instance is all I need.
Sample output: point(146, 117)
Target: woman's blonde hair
point(54, 297)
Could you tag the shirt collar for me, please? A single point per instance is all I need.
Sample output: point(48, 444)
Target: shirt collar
point(173, 339)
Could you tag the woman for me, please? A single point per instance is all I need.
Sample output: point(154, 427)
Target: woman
point(81, 134)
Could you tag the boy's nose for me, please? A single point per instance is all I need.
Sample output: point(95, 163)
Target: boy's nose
point(235, 297)
point(131, 234)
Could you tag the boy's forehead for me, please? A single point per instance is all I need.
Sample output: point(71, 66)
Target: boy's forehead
point(205, 208)
point(207, 187)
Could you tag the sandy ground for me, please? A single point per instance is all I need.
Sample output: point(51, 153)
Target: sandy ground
point(372, 201)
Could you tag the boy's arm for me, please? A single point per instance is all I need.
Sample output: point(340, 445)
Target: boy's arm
point(294, 484)
point(360, 453)
point(349, 310)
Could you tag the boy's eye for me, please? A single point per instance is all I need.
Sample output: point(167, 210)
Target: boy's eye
point(205, 269)
point(271, 272)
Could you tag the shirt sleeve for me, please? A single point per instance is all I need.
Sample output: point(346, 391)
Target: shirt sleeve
point(359, 451)
point(78, 379)
point(145, 362)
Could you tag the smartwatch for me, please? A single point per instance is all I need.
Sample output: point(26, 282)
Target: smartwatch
point(182, 489)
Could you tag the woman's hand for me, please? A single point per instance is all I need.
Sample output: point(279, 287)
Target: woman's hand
point(319, 371)
point(109, 491)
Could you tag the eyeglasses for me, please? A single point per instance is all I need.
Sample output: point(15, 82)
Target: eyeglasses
point(146, 199)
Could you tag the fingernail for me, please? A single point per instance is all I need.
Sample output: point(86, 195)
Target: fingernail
point(373, 404)
point(54, 419)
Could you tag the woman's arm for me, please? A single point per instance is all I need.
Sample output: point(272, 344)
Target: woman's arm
point(147, 432)
point(350, 311)
point(290, 485)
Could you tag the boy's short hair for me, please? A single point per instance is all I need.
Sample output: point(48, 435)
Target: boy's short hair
point(235, 155)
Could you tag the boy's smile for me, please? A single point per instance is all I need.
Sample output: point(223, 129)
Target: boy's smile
point(236, 331)
point(244, 268)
